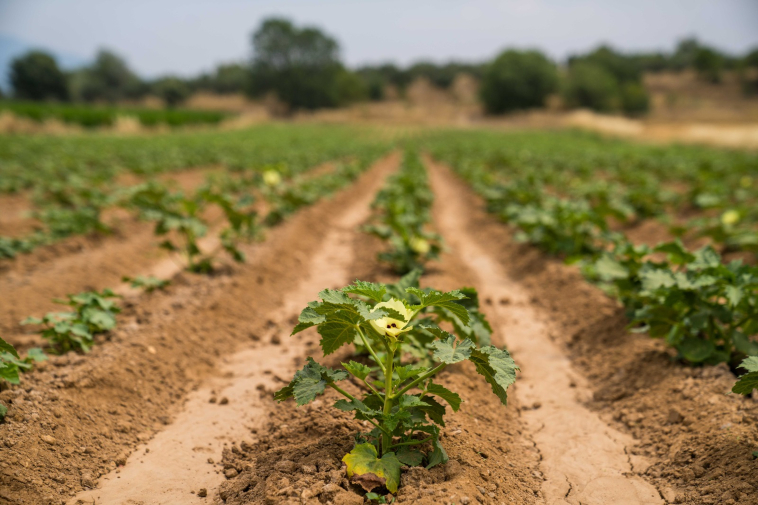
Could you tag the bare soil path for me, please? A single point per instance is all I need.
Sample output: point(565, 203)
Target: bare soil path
point(583, 459)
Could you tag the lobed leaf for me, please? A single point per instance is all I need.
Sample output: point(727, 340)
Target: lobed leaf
point(366, 469)
point(497, 367)
point(446, 351)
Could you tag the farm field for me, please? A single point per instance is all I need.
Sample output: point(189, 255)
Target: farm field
point(539, 317)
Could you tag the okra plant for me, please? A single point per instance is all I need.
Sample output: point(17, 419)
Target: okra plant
point(94, 312)
point(401, 401)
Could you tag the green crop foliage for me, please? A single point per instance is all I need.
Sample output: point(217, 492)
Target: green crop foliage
point(89, 116)
point(93, 313)
point(573, 195)
point(402, 402)
point(705, 309)
point(11, 364)
point(146, 283)
point(402, 217)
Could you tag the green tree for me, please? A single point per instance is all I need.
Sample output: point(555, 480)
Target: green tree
point(109, 79)
point(709, 64)
point(350, 88)
point(301, 65)
point(634, 99)
point(172, 90)
point(592, 86)
point(517, 80)
point(624, 68)
point(36, 76)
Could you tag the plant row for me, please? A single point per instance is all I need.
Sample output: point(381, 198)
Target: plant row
point(100, 116)
point(402, 215)
point(179, 221)
point(703, 307)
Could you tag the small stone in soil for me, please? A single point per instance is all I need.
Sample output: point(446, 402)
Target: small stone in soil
point(202, 493)
point(224, 401)
point(212, 400)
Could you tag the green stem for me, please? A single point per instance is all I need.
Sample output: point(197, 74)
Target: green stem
point(371, 388)
point(412, 442)
point(420, 378)
point(387, 437)
point(351, 398)
point(342, 391)
point(370, 349)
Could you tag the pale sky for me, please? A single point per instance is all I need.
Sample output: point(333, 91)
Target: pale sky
point(185, 37)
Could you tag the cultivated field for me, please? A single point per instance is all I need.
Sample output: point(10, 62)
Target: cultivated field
point(543, 317)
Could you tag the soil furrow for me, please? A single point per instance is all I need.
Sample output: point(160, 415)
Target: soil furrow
point(178, 462)
point(95, 262)
point(77, 418)
point(583, 459)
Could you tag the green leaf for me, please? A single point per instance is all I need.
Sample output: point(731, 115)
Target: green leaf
point(749, 381)
point(446, 351)
point(676, 252)
point(434, 409)
point(309, 382)
point(6, 347)
point(358, 369)
point(438, 456)
point(36, 355)
point(696, 349)
point(338, 330)
point(369, 290)
point(367, 470)
point(746, 384)
point(9, 372)
point(308, 317)
point(655, 279)
point(409, 457)
point(3, 411)
point(609, 269)
point(406, 372)
point(447, 300)
point(497, 367)
point(451, 398)
point(733, 295)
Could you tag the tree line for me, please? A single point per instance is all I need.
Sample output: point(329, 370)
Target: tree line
point(302, 66)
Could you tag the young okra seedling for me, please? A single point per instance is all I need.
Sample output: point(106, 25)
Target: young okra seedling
point(403, 401)
point(94, 312)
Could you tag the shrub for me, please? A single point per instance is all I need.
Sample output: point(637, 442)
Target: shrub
point(36, 76)
point(300, 65)
point(517, 80)
point(590, 85)
point(634, 98)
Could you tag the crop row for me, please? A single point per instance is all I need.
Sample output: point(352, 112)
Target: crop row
point(94, 117)
point(400, 345)
point(70, 194)
point(179, 220)
point(704, 307)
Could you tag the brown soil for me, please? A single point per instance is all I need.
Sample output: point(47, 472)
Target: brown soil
point(74, 418)
point(296, 456)
point(598, 415)
point(697, 439)
point(14, 221)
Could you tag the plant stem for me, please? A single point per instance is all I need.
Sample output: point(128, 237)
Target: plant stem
point(420, 378)
point(342, 392)
point(413, 442)
point(351, 398)
point(371, 349)
point(387, 437)
point(371, 387)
